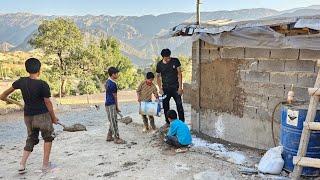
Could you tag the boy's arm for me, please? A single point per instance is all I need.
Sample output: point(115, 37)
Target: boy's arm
point(6, 93)
point(159, 82)
point(139, 92)
point(49, 106)
point(155, 92)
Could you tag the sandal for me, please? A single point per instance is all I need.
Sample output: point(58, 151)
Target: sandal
point(22, 169)
point(181, 150)
point(119, 141)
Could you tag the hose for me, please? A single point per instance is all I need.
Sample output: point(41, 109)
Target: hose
point(272, 122)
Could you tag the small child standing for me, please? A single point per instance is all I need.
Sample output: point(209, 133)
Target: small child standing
point(38, 112)
point(144, 93)
point(112, 106)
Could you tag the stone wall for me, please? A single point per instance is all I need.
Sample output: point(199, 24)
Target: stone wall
point(234, 90)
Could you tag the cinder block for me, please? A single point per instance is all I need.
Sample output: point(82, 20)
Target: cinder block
point(209, 55)
point(187, 93)
point(308, 66)
point(273, 102)
point(250, 112)
point(256, 76)
point(266, 89)
point(195, 44)
point(210, 46)
point(263, 114)
point(284, 77)
point(300, 93)
point(273, 90)
point(284, 54)
point(267, 65)
point(306, 54)
point(248, 87)
point(250, 65)
point(257, 53)
point(232, 53)
point(306, 79)
point(256, 100)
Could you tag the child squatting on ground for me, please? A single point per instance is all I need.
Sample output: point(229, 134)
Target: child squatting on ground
point(112, 106)
point(179, 135)
point(144, 93)
point(38, 112)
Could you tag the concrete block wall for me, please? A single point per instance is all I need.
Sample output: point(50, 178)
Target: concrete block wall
point(265, 76)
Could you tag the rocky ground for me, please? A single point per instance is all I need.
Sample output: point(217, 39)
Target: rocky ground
point(86, 154)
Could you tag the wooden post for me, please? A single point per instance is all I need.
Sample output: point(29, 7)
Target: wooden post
point(198, 13)
point(305, 136)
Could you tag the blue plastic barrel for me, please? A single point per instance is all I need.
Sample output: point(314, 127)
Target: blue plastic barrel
point(292, 118)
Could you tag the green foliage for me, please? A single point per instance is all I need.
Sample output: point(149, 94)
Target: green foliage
point(16, 96)
point(87, 86)
point(57, 36)
point(60, 37)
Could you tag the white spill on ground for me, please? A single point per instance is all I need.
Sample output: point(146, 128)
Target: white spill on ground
point(235, 157)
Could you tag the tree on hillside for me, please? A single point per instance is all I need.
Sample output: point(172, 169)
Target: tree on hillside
point(97, 57)
point(61, 37)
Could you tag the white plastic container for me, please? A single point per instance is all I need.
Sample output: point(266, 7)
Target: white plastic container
point(150, 108)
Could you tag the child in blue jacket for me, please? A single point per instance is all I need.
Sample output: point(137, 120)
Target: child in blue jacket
point(179, 134)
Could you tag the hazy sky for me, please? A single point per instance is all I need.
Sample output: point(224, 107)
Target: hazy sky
point(140, 7)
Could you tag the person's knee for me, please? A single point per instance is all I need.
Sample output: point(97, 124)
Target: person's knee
point(47, 136)
point(30, 143)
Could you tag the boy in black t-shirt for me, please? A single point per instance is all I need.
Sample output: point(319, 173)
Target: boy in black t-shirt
point(169, 79)
point(38, 111)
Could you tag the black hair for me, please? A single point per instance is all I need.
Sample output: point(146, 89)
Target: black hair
point(150, 75)
point(165, 52)
point(171, 114)
point(32, 65)
point(112, 70)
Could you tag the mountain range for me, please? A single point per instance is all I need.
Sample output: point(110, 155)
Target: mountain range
point(136, 34)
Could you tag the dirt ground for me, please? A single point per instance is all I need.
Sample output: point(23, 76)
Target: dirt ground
point(86, 154)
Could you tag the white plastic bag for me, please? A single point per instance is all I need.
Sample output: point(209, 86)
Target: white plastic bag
point(150, 108)
point(272, 162)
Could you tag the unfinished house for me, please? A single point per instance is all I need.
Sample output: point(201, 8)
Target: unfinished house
point(242, 70)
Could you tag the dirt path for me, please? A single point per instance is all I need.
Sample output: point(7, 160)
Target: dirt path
point(86, 155)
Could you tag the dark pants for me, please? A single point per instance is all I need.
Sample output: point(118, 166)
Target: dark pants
point(173, 141)
point(173, 93)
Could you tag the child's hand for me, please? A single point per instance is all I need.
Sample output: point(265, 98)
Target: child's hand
point(117, 109)
point(161, 91)
point(55, 120)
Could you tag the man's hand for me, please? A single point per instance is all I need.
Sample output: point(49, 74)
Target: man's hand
point(180, 91)
point(117, 109)
point(55, 120)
